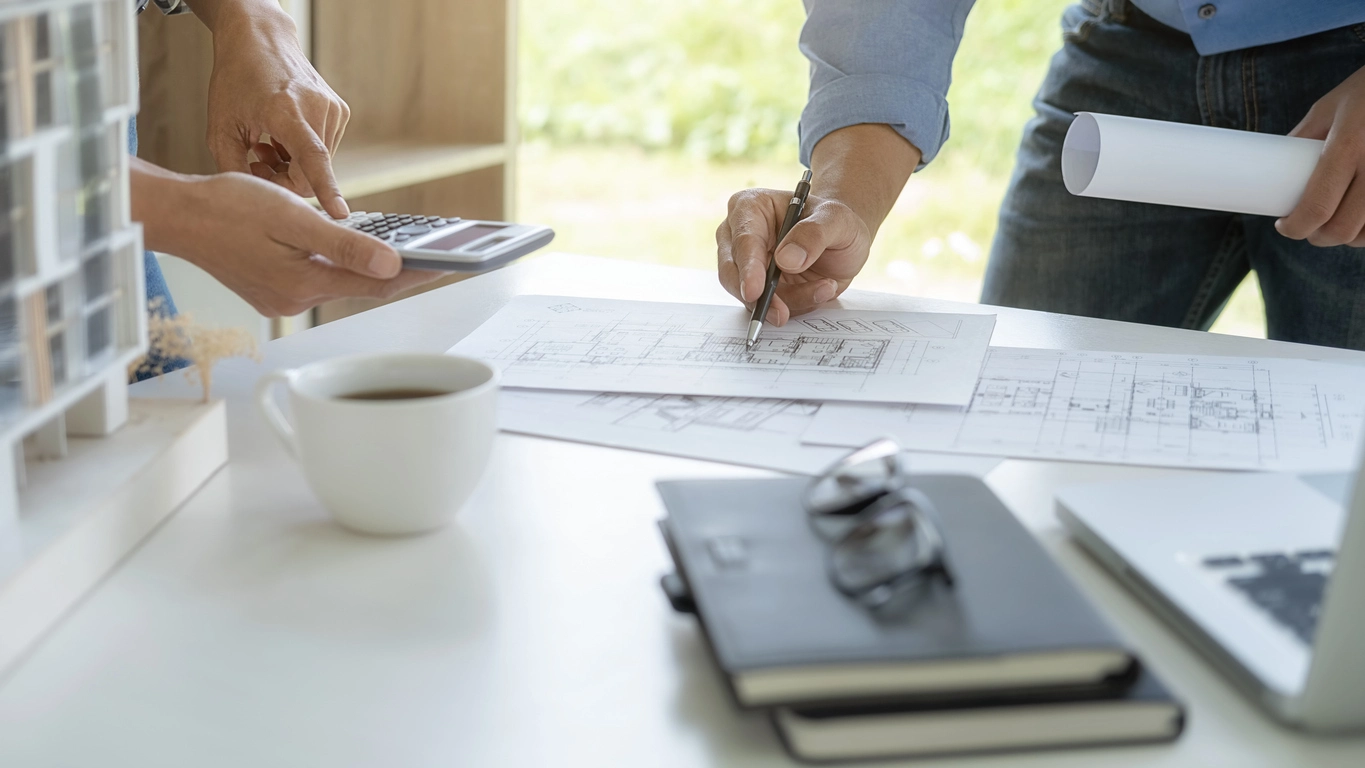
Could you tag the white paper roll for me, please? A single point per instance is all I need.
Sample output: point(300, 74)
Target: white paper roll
point(1192, 166)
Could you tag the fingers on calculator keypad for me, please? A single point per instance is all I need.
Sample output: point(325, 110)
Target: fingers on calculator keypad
point(397, 227)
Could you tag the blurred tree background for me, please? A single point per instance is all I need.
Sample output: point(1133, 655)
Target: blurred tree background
point(641, 118)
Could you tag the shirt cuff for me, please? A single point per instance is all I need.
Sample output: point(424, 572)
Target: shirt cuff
point(914, 110)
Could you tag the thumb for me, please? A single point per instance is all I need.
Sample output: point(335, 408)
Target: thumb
point(829, 226)
point(351, 249)
point(1317, 122)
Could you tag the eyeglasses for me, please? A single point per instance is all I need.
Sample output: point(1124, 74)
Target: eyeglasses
point(885, 547)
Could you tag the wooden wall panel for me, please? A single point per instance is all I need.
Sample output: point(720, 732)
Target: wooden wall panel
point(453, 92)
point(175, 59)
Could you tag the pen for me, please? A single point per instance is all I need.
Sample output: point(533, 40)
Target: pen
point(794, 208)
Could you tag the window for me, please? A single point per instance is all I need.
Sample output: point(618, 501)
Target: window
point(97, 336)
point(8, 257)
point(95, 213)
point(56, 347)
point(98, 274)
point(11, 387)
point(54, 304)
point(9, 325)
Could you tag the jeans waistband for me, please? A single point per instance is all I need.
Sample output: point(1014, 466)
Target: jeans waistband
point(1125, 12)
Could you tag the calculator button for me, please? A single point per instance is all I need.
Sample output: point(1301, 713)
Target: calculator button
point(376, 216)
point(414, 229)
point(401, 237)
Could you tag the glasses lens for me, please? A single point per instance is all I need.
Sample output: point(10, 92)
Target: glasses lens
point(854, 481)
point(894, 541)
point(876, 552)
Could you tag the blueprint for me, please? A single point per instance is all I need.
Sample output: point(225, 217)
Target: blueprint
point(1164, 410)
point(736, 430)
point(602, 345)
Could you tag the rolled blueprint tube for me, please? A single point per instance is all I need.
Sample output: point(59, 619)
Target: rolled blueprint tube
point(1192, 166)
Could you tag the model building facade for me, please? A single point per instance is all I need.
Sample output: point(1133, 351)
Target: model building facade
point(72, 293)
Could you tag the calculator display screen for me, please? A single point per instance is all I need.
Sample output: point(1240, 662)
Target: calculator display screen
point(454, 240)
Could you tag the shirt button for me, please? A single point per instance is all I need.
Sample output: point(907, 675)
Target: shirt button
point(1208, 11)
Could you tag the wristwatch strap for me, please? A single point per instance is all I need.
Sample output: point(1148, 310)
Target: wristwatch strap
point(168, 7)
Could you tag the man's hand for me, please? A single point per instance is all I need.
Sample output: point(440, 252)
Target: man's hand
point(263, 84)
point(1332, 210)
point(858, 172)
point(263, 242)
point(818, 258)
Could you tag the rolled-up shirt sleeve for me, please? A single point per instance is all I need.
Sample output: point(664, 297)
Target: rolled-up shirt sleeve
point(881, 61)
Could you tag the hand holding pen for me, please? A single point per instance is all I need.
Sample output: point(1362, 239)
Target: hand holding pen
point(818, 258)
point(794, 209)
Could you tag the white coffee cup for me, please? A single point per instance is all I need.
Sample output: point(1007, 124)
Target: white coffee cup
point(388, 466)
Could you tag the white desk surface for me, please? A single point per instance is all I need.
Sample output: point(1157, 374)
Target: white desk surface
point(250, 631)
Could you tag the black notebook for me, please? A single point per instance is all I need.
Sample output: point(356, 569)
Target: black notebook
point(1144, 713)
point(783, 635)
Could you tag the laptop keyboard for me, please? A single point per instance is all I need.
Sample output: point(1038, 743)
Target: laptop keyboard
point(1288, 586)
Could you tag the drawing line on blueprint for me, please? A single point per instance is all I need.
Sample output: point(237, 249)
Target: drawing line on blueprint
point(1130, 407)
point(1140, 409)
point(635, 345)
point(675, 413)
point(929, 329)
point(1136, 406)
point(605, 345)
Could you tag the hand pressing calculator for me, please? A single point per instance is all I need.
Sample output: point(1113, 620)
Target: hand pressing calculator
point(451, 244)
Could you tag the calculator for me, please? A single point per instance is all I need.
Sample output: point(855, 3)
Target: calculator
point(451, 244)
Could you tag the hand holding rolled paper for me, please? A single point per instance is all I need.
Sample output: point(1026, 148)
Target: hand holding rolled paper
point(1191, 166)
point(1332, 210)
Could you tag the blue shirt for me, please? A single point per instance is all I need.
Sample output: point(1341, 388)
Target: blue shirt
point(890, 61)
point(1231, 25)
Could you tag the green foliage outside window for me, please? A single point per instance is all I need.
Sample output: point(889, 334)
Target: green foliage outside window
point(722, 79)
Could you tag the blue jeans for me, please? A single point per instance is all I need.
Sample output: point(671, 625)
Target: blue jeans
point(1157, 264)
point(156, 288)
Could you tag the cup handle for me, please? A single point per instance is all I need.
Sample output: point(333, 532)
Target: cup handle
point(270, 409)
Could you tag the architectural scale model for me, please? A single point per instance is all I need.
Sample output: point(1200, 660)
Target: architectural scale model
point(72, 293)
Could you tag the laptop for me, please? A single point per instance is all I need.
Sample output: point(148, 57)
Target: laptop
point(1264, 573)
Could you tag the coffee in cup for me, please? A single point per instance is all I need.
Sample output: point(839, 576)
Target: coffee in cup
point(391, 443)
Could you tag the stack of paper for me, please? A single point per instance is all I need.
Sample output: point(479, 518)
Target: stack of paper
point(678, 379)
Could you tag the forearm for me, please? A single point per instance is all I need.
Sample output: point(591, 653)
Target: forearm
point(864, 167)
point(221, 15)
point(165, 203)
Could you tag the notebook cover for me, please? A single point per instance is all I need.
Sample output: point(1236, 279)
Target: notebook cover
point(756, 574)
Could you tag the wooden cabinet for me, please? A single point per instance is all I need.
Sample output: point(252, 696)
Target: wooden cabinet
point(431, 88)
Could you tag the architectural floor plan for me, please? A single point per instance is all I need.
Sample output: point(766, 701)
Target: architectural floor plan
point(750, 431)
point(1168, 410)
point(553, 342)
